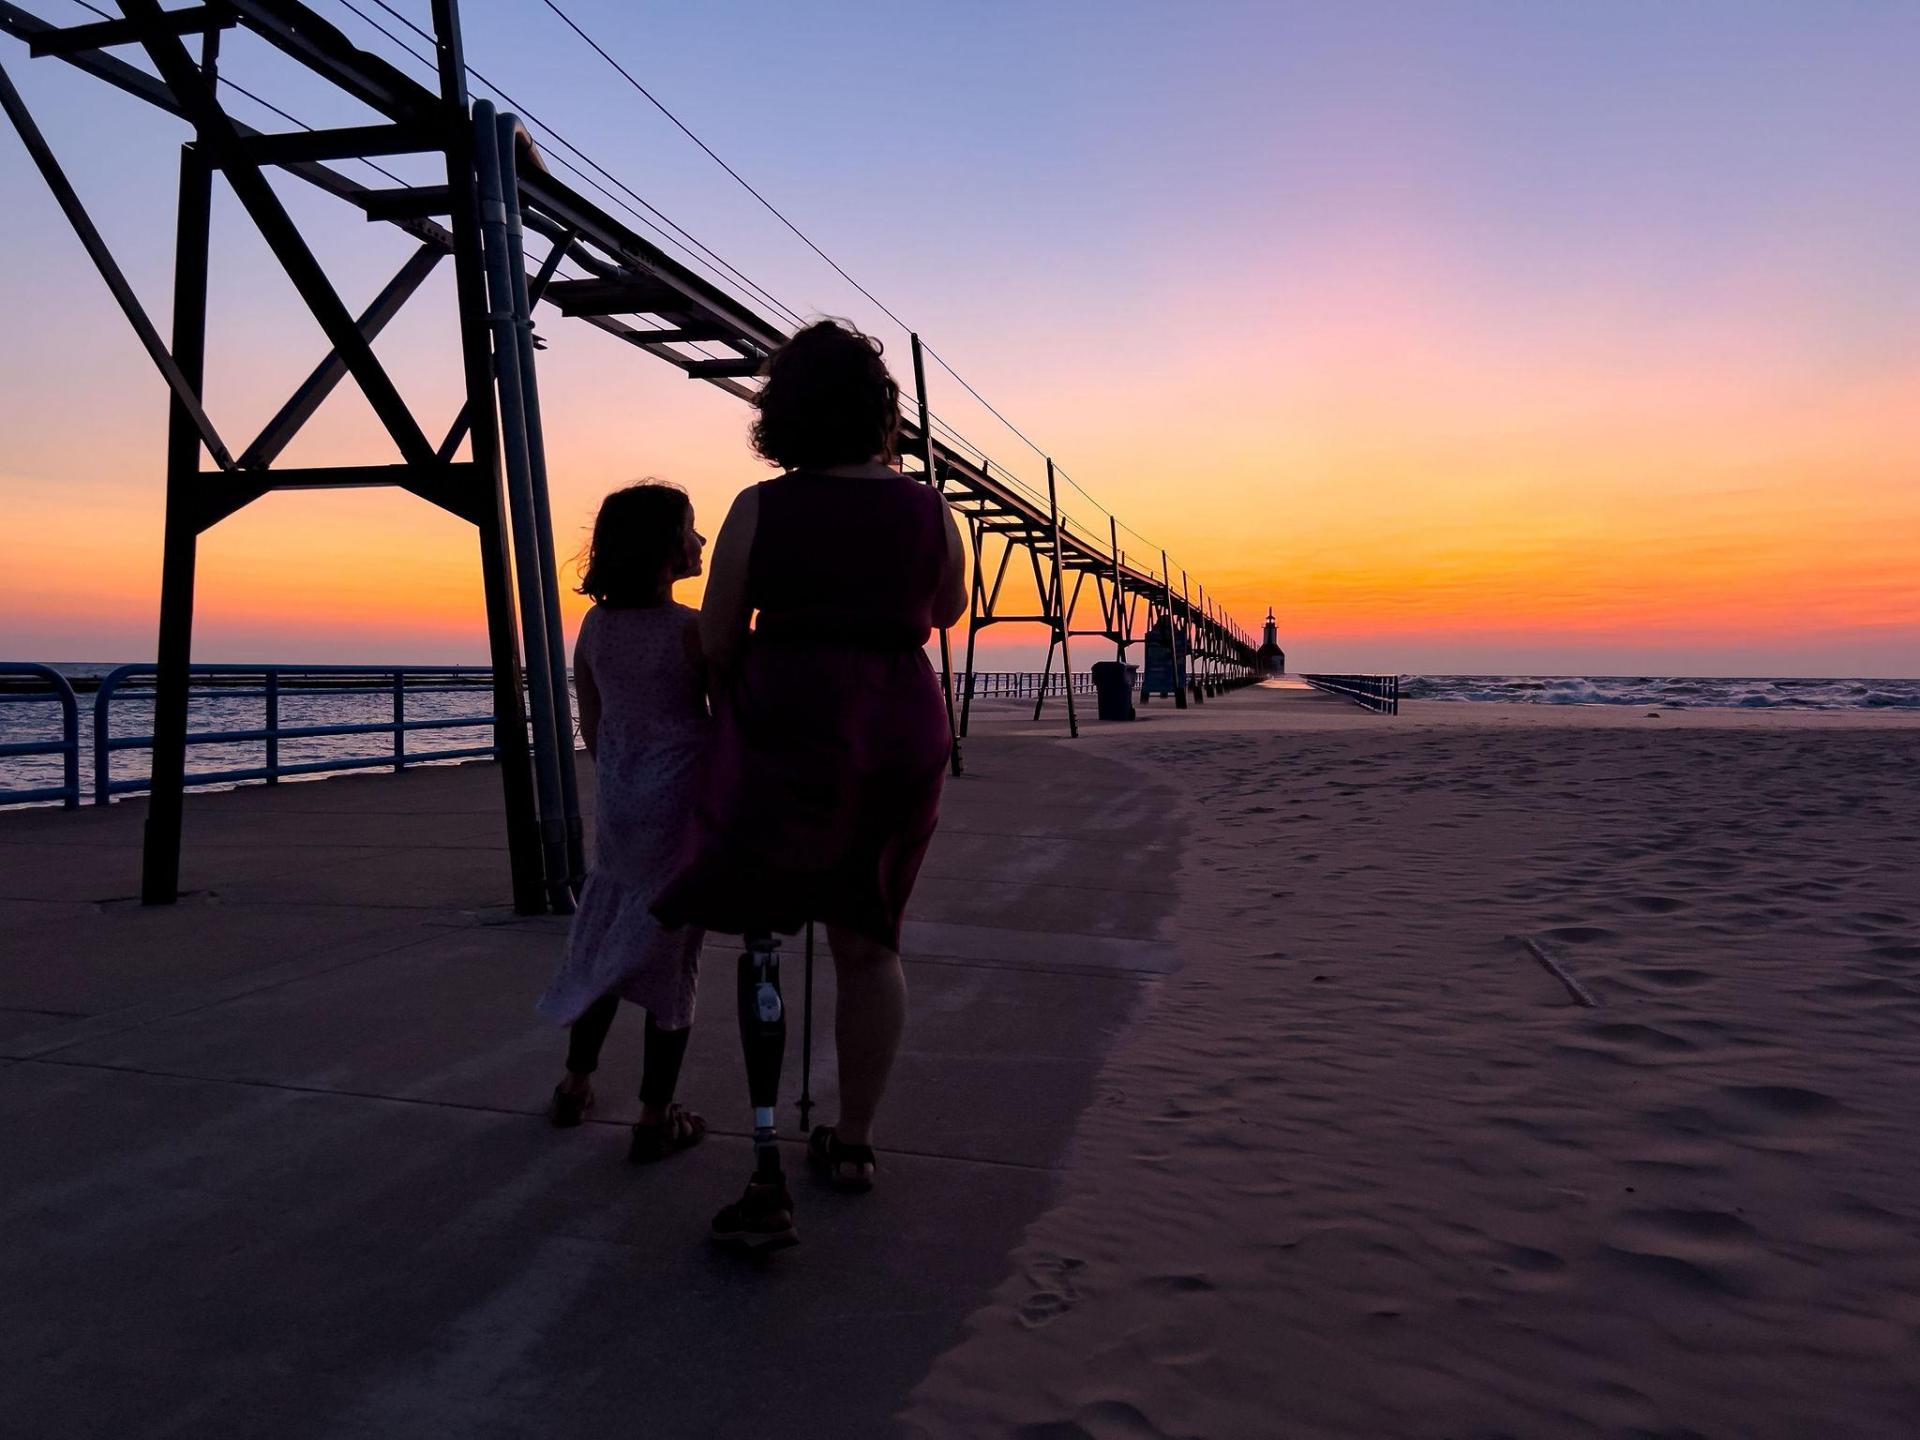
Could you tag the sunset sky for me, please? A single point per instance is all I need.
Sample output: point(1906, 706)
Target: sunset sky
point(1540, 338)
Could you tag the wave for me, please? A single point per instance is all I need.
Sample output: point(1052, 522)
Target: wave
point(1672, 692)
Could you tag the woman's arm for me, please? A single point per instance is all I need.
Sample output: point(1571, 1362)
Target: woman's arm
point(589, 693)
point(950, 600)
point(726, 610)
point(697, 658)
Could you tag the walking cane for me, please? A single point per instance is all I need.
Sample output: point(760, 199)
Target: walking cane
point(806, 1041)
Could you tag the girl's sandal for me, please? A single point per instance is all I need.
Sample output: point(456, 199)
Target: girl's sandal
point(847, 1167)
point(568, 1108)
point(681, 1130)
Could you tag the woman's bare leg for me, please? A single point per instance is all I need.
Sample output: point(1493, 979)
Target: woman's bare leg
point(870, 1014)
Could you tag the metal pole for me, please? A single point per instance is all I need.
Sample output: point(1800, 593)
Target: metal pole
point(1210, 649)
point(1060, 600)
point(399, 721)
point(946, 643)
point(512, 134)
point(184, 385)
point(273, 727)
point(1173, 641)
point(1119, 595)
point(160, 855)
point(806, 1040)
point(509, 716)
point(973, 628)
point(1187, 629)
point(526, 542)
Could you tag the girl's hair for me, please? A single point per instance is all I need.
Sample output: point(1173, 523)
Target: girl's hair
point(637, 532)
point(828, 400)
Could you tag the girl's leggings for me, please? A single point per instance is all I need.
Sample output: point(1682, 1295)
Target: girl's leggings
point(660, 1071)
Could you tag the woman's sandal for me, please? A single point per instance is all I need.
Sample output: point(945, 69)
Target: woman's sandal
point(681, 1130)
point(847, 1167)
point(568, 1108)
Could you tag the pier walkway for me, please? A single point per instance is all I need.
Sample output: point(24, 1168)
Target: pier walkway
point(275, 1157)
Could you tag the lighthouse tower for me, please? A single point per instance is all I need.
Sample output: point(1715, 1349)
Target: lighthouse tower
point(1273, 660)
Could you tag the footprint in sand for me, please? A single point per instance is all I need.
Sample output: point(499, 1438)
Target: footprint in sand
point(1784, 1102)
point(1673, 1270)
point(1043, 1307)
point(1055, 1294)
point(1699, 1250)
point(1100, 1420)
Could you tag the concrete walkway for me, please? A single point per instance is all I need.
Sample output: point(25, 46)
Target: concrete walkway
point(275, 1162)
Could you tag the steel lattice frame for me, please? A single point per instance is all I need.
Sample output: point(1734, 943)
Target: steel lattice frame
point(634, 291)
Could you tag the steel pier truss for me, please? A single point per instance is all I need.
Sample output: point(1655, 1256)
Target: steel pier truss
point(489, 467)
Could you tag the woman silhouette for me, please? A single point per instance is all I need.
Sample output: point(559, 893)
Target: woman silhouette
point(832, 735)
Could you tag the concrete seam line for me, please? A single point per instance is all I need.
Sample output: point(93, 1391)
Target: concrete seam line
point(465, 1107)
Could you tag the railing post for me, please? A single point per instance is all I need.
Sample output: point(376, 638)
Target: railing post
point(102, 734)
point(273, 727)
point(70, 734)
point(399, 721)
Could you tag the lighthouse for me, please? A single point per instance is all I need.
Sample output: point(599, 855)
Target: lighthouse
point(1273, 660)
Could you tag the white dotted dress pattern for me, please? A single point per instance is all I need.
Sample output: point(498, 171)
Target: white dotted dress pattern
point(654, 733)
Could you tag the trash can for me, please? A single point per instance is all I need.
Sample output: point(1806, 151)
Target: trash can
point(1113, 689)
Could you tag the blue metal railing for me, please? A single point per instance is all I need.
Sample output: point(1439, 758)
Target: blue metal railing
point(67, 747)
point(1023, 684)
point(1379, 693)
point(272, 683)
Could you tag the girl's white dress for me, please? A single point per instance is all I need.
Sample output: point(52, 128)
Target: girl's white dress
point(653, 738)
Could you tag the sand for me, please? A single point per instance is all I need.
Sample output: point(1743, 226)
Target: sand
point(1367, 1168)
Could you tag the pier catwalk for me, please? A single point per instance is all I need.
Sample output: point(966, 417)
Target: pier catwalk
point(1236, 1102)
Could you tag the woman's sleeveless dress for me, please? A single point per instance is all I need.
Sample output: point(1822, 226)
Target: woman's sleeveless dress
point(832, 738)
point(654, 733)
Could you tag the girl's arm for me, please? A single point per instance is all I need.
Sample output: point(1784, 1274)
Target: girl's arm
point(589, 693)
point(726, 610)
point(950, 600)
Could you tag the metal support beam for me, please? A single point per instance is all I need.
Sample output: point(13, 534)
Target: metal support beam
point(1174, 636)
point(222, 144)
point(946, 642)
point(1059, 593)
point(470, 283)
point(348, 142)
point(332, 370)
point(193, 20)
point(173, 650)
point(1191, 684)
point(975, 602)
point(186, 389)
point(515, 144)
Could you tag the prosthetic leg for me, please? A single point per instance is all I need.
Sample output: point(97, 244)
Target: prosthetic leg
point(762, 1219)
point(763, 1040)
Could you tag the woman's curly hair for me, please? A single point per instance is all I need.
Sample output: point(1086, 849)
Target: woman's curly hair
point(828, 400)
point(637, 532)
